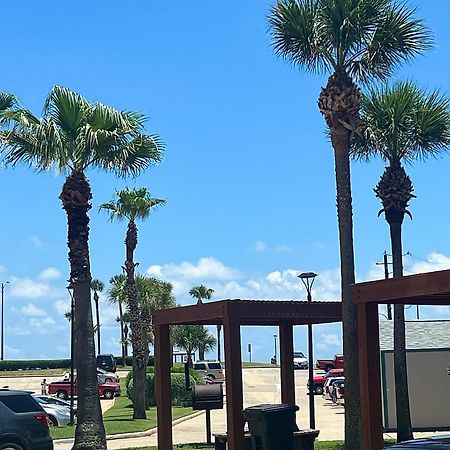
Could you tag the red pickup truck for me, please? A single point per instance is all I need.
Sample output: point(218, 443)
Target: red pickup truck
point(108, 390)
point(328, 364)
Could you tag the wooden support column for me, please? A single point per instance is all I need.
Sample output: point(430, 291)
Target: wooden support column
point(163, 382)
point(233, 379)
point(369, 376)
point(287, 364)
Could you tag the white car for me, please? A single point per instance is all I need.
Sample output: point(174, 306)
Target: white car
point(104, 376)
point(327, 387)
point(300, 361)
point(58, 415)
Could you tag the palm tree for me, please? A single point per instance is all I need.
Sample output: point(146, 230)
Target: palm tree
point(72, 136)
point(403, 123)
point(207, 343)
point(191, 338)
point(353, 40)
point(97, 286)
point(200, 292)
point(133, 204)
point(117, 295)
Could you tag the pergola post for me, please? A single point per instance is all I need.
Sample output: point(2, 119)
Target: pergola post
point(163, 382)
point(369, 376)
point(287, 364)
point(233, 379)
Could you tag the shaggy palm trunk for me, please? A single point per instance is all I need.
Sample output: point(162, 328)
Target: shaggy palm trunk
point(75, 197)
point(97, 313)
point(137, 335)
point(339, 103)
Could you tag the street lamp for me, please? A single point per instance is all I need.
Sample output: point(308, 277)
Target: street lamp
point(308, 281)
point(275, 347)
point(219, 327)
point(3, 321)
point(72, 351)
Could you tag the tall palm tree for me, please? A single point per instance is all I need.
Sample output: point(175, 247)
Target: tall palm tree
point(72, 136)
point(117, 295)
point(191, 338)
point(403, 123)
point(97, 286)
point(133, 204)
point(201, 292)
point(353, 40)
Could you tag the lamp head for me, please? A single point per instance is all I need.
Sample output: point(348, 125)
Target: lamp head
point(307, 275)
point(308, 280)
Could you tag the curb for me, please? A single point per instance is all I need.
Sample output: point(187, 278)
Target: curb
point(138, 434)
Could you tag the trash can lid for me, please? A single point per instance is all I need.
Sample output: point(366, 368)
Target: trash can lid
point(268, 408)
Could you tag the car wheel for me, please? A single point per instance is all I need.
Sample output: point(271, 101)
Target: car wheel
point(52, 422)
point(62, 394)
point(108, 394)
point(211, 376)
point(318, 390)
point(10, 446)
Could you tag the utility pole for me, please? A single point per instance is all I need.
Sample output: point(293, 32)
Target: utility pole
point(385, 263)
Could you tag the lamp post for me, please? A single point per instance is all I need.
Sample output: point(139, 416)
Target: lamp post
point(219, 327)
point(275, 347)
point(308, 281)
point(3, 321)
point(72, 351)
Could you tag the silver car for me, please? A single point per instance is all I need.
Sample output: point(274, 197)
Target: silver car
point(211, 370)
point(104, 376)
point(58, 415)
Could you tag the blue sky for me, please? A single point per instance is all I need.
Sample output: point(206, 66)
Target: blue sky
point(248, 174)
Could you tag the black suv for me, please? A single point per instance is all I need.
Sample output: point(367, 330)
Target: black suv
point(23, 423)
point(106, 362)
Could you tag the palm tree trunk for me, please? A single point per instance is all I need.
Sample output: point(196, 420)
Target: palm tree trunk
point(97, 312)
point(340, 138)
point(122, 336)
point(75, 196)
point(201, 352)
point(137, 335)
point(404, 427)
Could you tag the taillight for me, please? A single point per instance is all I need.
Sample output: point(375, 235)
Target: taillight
point(42, 418)
point(327, 389)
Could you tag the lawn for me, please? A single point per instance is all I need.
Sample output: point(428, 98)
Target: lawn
point(325, 445)
point(118, 419)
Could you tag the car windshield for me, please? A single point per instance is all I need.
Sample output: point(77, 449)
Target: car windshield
point(299, 355)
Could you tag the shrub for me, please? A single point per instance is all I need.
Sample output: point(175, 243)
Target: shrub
point(129, 360)
point(180, 396)
point(35, 364)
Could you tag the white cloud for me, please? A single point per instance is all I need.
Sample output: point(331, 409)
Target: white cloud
point(62, 306)
point(36, 242)
point(28, 288)
point(260, 246)
point(434, 261)
point(32, 311)
point(2, 269)
point(51, 273)
point(205, 269)
point(11, 351)
point(283, 248)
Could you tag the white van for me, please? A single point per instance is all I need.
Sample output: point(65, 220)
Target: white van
point(212, 370)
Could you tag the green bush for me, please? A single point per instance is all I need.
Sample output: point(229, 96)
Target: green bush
point(35, 364)
point(175, 369)
point(129, 360)
point(180, 396)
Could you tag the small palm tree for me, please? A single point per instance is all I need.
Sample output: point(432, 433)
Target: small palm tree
point(191, 338)
point(130, 205)
point(354, 41)
point(207, 343)
point(73, 136)
point(97, 286)
point(201, 292)
point(403, 123)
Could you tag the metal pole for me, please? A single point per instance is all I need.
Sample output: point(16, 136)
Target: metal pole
point(275, 348)
point(3, 328)
point(219, 327)
point(98, 322)
point(312, 416)
point(72, 357)
point(386, 275)
point(417, 312)
point(208, 426)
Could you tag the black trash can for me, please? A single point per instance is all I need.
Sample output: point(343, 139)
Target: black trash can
point(272, 426)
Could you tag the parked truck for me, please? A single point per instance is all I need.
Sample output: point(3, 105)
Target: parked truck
point(328, 364)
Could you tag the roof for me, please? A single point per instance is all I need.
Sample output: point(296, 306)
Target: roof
point(420, 334)
point(252, 312)
point(431, 288)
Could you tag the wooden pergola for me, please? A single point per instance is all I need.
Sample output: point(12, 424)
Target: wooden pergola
point(232, 314)
point(431, 288)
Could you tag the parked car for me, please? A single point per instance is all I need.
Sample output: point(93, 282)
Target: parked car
point(319, 379)
point(106, 362)
point(300, 361)
point(104, 376)
point(431, 443)
point(52, 400)
point(62, 389)
point(58, 415)
point(23, 422)
point(328, 387)
point(211, 370)
point(328, 364)
point(340, 394)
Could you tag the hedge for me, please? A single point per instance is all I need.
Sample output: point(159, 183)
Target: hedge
point(35, 364)
point(175, 369)
point(129, 361)
point(180, 396)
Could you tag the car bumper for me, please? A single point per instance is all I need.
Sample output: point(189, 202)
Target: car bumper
point(42, 444)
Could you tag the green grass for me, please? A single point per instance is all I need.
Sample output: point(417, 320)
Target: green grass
point(256, 365)
point(118, 419)
point(31, 373)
